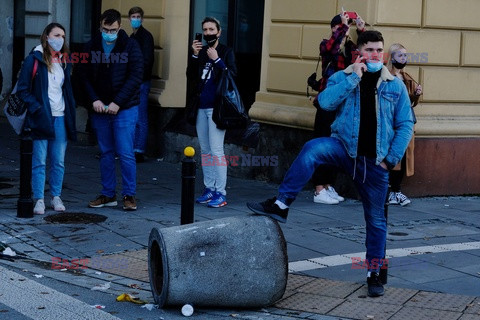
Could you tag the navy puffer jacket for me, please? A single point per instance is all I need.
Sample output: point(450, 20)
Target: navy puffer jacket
point(116, 78)
point(35, 94)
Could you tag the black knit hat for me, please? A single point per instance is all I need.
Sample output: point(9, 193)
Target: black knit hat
point(336, 20)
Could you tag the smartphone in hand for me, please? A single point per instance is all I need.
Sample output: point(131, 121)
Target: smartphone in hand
point(352, 15)
point(198, 37)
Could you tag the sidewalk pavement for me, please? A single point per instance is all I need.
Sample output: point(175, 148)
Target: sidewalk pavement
point(433, 243)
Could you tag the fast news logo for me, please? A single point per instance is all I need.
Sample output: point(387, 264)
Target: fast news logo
point(245, 160)
point(104, 263)
point(373, 264)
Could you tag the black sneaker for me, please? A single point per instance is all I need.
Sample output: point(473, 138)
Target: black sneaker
point(269, 208)
point(375, 286)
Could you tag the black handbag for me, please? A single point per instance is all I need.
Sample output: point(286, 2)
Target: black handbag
point(228, 111)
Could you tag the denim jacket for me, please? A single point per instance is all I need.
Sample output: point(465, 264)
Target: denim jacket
point(394, 116)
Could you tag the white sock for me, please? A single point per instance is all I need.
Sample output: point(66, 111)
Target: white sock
point(281, 205)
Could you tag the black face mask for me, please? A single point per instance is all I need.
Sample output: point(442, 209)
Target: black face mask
point(210, 39)
point(398, 65)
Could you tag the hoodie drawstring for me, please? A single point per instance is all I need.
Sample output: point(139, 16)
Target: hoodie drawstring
point(354, 168)
point(364, 169)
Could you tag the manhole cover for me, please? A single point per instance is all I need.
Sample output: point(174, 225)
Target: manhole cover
point(399, 234)
point(5, 185)
point(75, 217)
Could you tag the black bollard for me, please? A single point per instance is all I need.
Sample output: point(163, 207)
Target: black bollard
point(188, 186)
point(25, 202)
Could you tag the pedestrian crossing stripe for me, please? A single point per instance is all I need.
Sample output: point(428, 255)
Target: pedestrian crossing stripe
point(349, 258)
point(38, 301)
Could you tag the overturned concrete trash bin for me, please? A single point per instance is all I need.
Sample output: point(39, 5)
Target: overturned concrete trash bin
point(230, 262)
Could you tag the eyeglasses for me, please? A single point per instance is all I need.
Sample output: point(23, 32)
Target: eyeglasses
point(111, 31)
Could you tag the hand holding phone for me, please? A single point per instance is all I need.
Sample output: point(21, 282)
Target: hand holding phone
point(197, 44)
point(351, 15)
point(359, 67)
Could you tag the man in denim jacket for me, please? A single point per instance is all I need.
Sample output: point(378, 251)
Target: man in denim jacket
point(371, 132)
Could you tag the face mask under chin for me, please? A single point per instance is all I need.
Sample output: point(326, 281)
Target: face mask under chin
point(398, 65)
point(374, 66)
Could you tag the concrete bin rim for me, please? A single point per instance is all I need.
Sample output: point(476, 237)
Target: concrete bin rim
point(157, 257)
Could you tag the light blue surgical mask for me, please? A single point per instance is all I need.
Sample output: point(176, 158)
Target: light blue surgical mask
point(136, 23)
point(56, 43)
point(109, 37)
point(374, 66)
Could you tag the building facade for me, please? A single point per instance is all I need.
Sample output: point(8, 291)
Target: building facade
point(276, 45)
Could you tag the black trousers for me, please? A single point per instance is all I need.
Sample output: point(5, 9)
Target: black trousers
point(395, 177)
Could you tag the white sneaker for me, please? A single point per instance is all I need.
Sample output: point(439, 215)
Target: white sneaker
point(334, 195)
point(39, 207)
point(57, 204)
point(324, 197)
point(392, 198)
point(402, 199)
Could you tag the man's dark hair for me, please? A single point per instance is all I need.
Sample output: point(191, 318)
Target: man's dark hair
point(135, 10)
point(110, 16)
point(369, 36)
point(211, 19)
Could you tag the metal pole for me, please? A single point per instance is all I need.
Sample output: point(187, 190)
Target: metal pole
point(188, 186)
point(25, 202)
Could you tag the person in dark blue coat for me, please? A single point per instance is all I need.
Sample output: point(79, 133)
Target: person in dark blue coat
point(145, 40)
point(50, 116)
point(112, 76)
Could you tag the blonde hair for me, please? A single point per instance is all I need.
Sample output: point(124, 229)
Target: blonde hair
point(343, 43)
point(393, 48)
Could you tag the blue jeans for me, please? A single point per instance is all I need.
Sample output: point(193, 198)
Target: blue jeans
point(115, 134)
point(141, 128)
point(211, 141)
point(55, 150)
point(370, 179)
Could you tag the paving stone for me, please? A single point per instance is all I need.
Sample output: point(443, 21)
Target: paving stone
point(295, 281)
point(299, 253)
point(467, 285)
point(309, 303)
point(427, 273)
point(286, 314)
point(329, 288)
point(130, 267)
point(474, 307)
point(469, 317)
point(364, 310)
point(440, 301)
point(137, 254)
point(425, 314)
point(343, 273)
point(395, 296)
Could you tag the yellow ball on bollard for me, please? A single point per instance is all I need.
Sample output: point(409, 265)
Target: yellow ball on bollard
point(189, 152)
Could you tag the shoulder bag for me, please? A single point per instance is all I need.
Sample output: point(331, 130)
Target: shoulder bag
point(15, 109)
point(228, 110)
